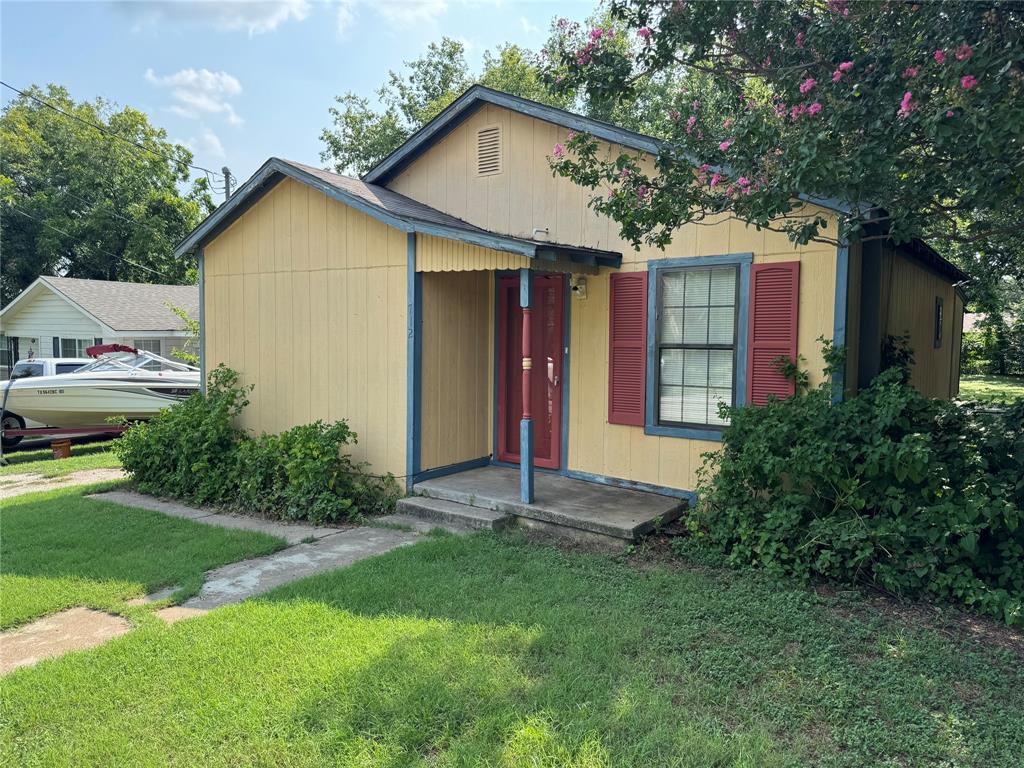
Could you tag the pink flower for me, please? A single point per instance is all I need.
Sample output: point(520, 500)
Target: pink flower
point(716, 179)
point(846, 66)
point(910, 72)
point(949, 113)
point(611, 194)
point(724, 146)
point(705, 168)
point(609, 33)
point(780, 110)
point(814, 109)
point(799, 39)
point(644, 33)
point(728, 123)
point(558, 150)
point(743, 181)
point(906, 105)
point(695, 105)
point(596, 34)
point(729, 190)
point(641, 191)
point(963, 52)
point(940, 57)
point(837, 76)
point(968, 81)
point(839, 7)
point(808, 85)
point(690, 122)
point(570, 135)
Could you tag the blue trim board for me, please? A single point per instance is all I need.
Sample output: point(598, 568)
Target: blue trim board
point(202, 322)
point(451, 469)
point(840, 311)
point(413, 362)
point(677, 493)
point(739, 395)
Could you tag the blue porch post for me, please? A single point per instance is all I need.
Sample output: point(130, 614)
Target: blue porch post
point(526, 424)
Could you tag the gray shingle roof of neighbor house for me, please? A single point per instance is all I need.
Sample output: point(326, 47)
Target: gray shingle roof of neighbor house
point(388, 206)
point(129, 306)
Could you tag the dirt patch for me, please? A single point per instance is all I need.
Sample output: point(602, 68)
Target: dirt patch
point(174, 613)
point(72, 630)
point(16, 485)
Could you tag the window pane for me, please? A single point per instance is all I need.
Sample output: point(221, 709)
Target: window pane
point(670, 407)
point(695, 367)
point(723, 286)
point(720, 368)
point(672, 366)
point(672, 289)
point(671, 326)
point(720, 325)
point(698, 282)
point(695, 404)
point(695, 325)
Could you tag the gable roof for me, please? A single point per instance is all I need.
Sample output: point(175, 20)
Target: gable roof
point(385, 205)
point(478, 95)
point(122, 306)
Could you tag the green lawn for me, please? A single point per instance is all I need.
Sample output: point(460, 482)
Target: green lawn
point(41, 461)
point(60, 550)
point(992, 388)
point(490, 651)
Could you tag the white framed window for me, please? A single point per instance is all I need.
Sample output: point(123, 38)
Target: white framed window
point(74, 347)
point(696, 344)
point(148, 345)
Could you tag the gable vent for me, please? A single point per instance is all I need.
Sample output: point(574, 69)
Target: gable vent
point(488, 151)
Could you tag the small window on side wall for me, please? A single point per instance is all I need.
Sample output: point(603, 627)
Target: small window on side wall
point(938, 322)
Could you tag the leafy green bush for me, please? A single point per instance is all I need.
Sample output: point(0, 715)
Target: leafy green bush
point(912, 495)
point(194, 452)
point(189, 451)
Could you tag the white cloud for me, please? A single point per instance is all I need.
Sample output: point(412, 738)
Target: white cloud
point(254, 16)
point(528, 26)
point(199, 92)
point(207, 146)
point(410, 12)
point(345, 15)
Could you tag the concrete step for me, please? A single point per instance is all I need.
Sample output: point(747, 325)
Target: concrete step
point(442, 511)
point(419, 524)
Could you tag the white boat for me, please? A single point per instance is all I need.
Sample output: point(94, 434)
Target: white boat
point(120, 382)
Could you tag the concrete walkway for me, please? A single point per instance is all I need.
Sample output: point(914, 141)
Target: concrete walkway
point(293, 533)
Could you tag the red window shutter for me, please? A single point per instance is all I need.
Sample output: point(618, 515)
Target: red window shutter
point(774, 296)
point(627, 348)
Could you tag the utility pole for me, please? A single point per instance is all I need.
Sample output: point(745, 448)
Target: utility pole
point(227, 182)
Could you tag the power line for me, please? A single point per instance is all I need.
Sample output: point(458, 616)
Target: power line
point(108, 132)
point(101, 250)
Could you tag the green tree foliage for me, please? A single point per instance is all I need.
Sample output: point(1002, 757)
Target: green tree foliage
point(362, 135)
point(911, 112)
point(80, 203)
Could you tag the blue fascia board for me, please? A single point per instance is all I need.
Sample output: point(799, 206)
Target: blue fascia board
point(739, 395)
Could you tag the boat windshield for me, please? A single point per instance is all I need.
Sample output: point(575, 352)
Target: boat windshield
point(131, 361)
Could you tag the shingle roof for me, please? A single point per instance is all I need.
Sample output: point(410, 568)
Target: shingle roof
point(388, 206)
point(130, 306)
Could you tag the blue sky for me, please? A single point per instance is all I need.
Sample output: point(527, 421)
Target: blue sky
point(240, 81)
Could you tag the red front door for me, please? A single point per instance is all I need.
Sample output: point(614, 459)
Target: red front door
point(546, 381)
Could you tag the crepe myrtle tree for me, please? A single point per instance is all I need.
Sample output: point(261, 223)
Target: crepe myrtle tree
point(911, 113)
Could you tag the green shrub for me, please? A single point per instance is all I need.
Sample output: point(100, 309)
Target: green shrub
point(913, 495)
point(194, 452)
point(189, 451)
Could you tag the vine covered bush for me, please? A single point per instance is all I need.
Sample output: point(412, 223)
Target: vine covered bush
point(194, 452)
point(890, 488)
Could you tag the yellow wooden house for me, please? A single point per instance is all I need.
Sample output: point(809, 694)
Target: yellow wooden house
point(460, 306)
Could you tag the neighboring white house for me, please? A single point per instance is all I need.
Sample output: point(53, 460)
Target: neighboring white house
point(62, 316)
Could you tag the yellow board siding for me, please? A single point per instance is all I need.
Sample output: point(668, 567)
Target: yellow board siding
point(306, 299)
point(436, 254)
point(525, 198)
point(908, 304)
point(455, 393)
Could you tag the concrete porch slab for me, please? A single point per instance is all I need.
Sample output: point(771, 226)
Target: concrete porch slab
point(620, 513)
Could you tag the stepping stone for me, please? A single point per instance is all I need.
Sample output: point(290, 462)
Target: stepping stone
point(72, 630)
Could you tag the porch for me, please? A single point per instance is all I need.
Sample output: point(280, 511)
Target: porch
point(490, 497)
